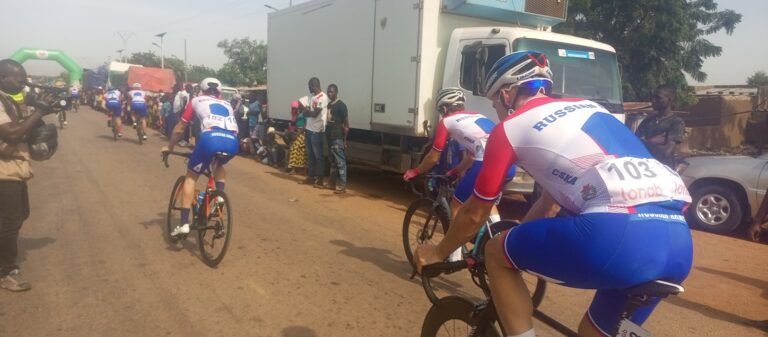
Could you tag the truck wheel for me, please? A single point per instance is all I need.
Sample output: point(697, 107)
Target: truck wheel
point(716, 208)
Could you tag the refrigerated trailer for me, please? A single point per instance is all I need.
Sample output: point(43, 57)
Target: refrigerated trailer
point(390, 57)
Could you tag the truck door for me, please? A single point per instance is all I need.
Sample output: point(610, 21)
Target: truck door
point(395, 64)
point(472, 60)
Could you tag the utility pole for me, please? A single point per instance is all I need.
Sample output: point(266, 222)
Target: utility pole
point(124, 36)
point(185, 60)
point(162, 55)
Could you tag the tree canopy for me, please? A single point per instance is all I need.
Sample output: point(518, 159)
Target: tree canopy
point(758, 79)
point(246, 62)
point(656, 41)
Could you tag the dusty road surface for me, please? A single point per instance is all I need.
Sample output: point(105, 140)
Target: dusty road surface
point(322, 265)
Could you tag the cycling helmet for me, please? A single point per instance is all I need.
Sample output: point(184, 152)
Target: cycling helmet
point(517, 69)
point(137, 85)
point(450, 96)
point(43, 142)
point(210, 83)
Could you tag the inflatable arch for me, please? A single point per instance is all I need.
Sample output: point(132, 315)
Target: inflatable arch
point(75, 70)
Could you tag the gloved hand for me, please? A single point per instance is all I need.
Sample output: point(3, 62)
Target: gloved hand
point(410, 174)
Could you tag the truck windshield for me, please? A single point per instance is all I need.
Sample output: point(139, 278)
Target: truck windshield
point(580, 71)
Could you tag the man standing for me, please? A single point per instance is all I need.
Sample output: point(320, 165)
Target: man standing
point(15, 170)
point(662, 132)
point(317, 115)
point(179, 104)
point(337, 129)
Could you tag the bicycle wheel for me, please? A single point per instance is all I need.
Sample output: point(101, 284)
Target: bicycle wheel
point(140, 133)
point(216, 232)
point(455, 316)
point(536, 286)
point(61, 119)
point(174, 207)
point(420, 225)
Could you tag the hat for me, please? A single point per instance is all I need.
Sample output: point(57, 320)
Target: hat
point(295, 105)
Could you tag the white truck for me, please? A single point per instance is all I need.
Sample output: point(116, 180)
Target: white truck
point(390, 57)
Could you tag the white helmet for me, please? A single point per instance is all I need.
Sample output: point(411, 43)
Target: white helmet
point(137, 85)
point(450, 96)
point(209, 83)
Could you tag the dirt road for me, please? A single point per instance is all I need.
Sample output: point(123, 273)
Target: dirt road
point(321, 265)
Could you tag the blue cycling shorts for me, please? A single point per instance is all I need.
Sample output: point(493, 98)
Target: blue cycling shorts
point(466, 185)
point(115, 107)
point(607, 252)
point(209, 144)
point(140, 109)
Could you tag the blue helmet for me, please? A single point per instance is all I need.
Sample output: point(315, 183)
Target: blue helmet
point(522, 68)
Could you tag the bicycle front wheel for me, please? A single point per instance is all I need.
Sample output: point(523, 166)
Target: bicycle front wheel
point(454, 316)
point(424, 222)
point(174, 207)
point(214, 235)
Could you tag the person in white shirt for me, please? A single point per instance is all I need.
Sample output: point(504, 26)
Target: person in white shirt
point(317, 116)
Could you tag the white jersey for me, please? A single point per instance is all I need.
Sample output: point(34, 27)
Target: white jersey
point(469, 129)
point(212, 112)
point(586, 158)
point(113, 96)
point(137, 96)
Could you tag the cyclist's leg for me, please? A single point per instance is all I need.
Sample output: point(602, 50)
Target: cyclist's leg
point(218, 142)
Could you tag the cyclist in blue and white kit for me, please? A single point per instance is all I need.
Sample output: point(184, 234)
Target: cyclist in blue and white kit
point(218, 135)
point(74, 94)
point(114, 103)
point(629, 228)
point(137, 98)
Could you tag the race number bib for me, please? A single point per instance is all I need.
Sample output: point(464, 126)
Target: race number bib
point(634, 181)
point(629, 329)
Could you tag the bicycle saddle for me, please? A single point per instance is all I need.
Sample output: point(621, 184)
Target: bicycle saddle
point(655, 288)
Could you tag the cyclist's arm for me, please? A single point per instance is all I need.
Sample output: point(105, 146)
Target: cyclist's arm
point(499, 156)
point(178, 130)
point(544, 207)
point(429, 161)
point(438, 145)
point(466, 162)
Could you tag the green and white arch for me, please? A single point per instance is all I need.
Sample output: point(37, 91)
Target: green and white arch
point(74, 69)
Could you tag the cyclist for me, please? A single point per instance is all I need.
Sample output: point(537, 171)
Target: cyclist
point(218, 135)
point(470, 131)
point(138, 101)
point(629, 227)
point(115, 105)
point(74, 93)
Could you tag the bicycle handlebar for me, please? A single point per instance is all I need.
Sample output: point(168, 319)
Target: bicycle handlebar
point(166, 154)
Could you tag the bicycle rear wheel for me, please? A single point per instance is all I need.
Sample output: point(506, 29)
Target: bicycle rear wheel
point(61, 119)
point(455, 316)
point(215, 234)
point(424, 222)
point(174, 207)
point(140, 133)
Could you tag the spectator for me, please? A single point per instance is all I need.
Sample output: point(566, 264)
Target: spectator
point(15, 170)
point(166, 110)
point(297, 159)
point(336, 130)
point(179, 104)
point(316, 113)
point(254, 111)
point(663, 131)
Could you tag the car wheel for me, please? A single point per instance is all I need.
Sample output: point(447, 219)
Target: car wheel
point(716, 208)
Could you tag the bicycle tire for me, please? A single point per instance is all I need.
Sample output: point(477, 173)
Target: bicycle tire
point(537, 294)
point(450, 309)
point(207, 237)
point(433, 215)
point(174, 203)
point(140, 132)
point(61, 120)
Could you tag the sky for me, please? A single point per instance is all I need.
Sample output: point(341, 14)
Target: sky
point(89, 32)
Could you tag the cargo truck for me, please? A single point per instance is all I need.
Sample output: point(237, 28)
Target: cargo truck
point(390, 57)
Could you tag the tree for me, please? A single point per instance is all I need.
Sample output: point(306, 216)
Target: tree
point(758, 79)
point(657, 41)
point(197, 73)
point(246, 64)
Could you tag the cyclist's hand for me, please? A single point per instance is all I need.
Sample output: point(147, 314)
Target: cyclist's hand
point(454, 173)
point(410, 174)
point(425, 255)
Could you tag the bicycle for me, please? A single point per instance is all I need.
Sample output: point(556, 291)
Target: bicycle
point(424, 214)
point(60, 115)
point(481, 319)
point(211, 214)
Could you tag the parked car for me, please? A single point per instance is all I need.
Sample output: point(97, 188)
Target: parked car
point(726, 190)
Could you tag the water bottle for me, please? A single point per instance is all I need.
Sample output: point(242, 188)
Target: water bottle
point(201, 198)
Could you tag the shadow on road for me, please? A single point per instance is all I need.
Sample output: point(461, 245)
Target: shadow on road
point(26, 244)
point(712, 312)
point(186, 244)
point(386, 261)
point(298, 331)
point(759, 284)
point(123, 139)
